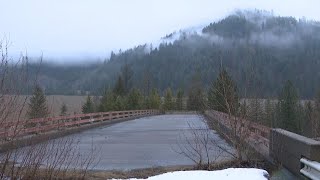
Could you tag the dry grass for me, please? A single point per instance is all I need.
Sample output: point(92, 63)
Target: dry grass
point(54, 102)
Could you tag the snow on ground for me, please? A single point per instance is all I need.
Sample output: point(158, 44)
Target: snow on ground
point(226, 174)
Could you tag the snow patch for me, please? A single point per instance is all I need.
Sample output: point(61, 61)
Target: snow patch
point(226, 174)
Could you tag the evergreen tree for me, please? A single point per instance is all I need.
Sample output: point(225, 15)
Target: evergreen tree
point(288, 108)
point(107, 102)
point(269, 113)
point(308, 112)
point(168, 100)
point(126, 74)
point(154, 99)
point(196, 96)
point(223, 95)
point(135, 100)
point(179, 101)
point(147, 80)
point(63, 109)
point(255, 111)
point(120, 103)
point(316, 116)
point(88, 106)
point(244, 109)
point(38, 104)
point(119, 89)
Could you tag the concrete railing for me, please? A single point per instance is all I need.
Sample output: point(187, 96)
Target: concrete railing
point(34, 126)
point(292, 150)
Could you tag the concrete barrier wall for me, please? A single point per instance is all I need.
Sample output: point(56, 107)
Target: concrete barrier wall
point(288, 148)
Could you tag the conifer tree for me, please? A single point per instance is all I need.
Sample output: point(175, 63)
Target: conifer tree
point(223, 95)
point(63, 109)
point(255, 111)
point(269, 113)
point(154, 99)
point(316, 116)
point(107, 102)
point(126, 75)
point(168, 100)
point(196, 96)
point(88, 106)
point(38, 104)
point(135, 100)
point(179, 101)
point(288, 108)
point(119, 87)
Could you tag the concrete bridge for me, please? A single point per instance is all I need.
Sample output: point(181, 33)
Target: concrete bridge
point(299, 154)
point(132, 144)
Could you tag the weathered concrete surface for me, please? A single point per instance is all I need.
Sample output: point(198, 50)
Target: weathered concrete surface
point(288, 148)
point(35, 139)
point(146, 142)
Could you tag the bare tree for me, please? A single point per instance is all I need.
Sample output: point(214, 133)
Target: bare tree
point(49, 160)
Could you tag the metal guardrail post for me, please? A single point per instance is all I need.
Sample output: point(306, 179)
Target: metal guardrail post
point(310, 169)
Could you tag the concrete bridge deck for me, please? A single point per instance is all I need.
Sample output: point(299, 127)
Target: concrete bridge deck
point(145, 142)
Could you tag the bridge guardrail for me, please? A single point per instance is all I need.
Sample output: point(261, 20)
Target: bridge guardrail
point(310, 169)
point(258, 135)
point(257, 131)
point(33, 126)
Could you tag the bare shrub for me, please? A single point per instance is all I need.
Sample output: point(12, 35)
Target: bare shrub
point(202, 146)
point(50, 160)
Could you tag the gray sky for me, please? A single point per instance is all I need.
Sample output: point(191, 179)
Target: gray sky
point(92, 28)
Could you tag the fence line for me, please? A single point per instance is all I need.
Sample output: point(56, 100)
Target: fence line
point(258, 134)
point(21, 128)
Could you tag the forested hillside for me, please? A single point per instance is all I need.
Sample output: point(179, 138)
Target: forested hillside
point(259, 50)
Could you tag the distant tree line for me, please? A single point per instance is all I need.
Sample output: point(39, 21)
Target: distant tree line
point(287, 111)
point(277, 48)
point(254, 78)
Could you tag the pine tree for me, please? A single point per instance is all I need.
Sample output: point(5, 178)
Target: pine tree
point(179, 101)
point(288, 108)
point(168, 100)
point(196, 97)
point(135, 100)
point(38, 104)
point(120, 103)
point(88, 106)
point(119, 87)
point(244, 109)
point(154, 99)
point(308, 112)
point(63, 109)
point(316, 116)
point(255, 111)
point(223, 95)
point(107, 102)
point(126, 74)
point(269, 113)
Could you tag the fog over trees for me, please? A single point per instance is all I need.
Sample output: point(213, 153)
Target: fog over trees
point(257, 48)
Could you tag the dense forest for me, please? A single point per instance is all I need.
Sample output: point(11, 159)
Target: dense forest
point(259, 50)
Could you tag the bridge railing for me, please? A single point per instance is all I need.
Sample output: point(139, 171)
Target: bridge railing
point(257, 133)
point(310, 169)
point(34, 126)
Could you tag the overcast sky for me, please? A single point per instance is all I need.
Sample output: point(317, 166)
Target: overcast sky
point(92, 28)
